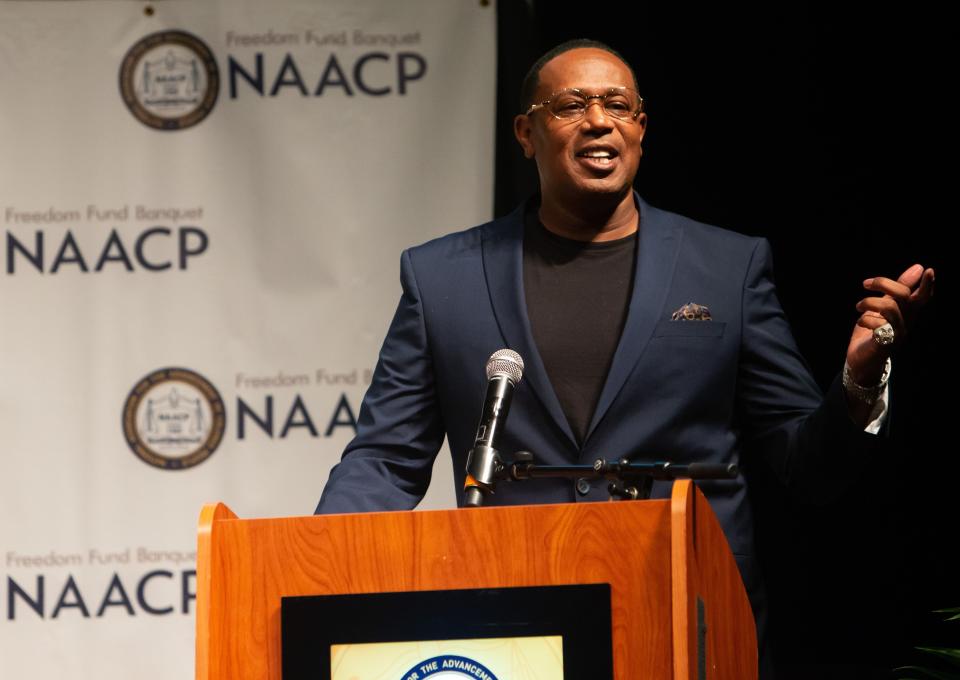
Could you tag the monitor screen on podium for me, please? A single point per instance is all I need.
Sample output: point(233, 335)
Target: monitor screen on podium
point(539, 657)
point(538, 633)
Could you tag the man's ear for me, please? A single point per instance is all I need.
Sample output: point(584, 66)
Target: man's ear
point(523, 131)
point(642, 122)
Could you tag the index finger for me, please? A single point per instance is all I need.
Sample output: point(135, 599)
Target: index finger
point(895, 289)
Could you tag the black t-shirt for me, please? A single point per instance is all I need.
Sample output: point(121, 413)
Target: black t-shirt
point(577, 296)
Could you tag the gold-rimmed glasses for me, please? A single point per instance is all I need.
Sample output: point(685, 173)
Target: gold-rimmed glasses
point(571, 104)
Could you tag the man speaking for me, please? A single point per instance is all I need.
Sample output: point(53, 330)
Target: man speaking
point(644, 334)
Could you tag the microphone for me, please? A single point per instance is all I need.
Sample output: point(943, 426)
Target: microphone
point(504, 371)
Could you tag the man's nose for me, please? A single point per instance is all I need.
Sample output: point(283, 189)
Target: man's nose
point(597, 116)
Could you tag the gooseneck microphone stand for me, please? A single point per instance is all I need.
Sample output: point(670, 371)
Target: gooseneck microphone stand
point(626, 480)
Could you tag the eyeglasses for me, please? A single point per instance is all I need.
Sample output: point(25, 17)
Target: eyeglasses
point(571, 104)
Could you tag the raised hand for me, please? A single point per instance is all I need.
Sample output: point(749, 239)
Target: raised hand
point(899, 305)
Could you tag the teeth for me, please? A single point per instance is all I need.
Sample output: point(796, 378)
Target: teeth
point(597, 154)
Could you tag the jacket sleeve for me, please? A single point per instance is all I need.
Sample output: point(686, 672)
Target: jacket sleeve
point(808, 438)
point(388, 464)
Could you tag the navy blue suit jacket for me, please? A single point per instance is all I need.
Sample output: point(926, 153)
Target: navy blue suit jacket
point(712, 391)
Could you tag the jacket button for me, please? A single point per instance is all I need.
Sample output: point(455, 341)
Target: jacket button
point(583, 486)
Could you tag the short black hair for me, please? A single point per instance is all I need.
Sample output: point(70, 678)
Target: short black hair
point(532, 79)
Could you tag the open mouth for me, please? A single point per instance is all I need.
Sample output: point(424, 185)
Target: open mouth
point(598, 156)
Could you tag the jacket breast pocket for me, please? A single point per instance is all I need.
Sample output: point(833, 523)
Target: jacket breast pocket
point(669, 328)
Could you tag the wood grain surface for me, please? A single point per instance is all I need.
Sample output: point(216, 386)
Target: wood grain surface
point(246, 566)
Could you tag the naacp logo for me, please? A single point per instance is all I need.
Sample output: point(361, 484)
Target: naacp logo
point(174, 419)
point(449, 667)
point(169, 80)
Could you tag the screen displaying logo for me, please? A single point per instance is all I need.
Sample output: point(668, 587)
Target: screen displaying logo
point(169, 80)
point(537, 657)
point(449, 667)
point(362, 636)
point(174, 419)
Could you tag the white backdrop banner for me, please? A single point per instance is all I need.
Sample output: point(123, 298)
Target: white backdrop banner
point(203, 206)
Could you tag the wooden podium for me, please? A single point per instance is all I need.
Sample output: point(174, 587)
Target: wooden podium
point(679, 609)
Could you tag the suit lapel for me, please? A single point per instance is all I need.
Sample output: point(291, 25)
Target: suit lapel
point(657, 250)
point(503, 267)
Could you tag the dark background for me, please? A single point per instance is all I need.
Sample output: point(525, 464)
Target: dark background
point(825, 130)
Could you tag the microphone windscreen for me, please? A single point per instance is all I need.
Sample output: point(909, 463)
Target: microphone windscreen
point(505, 362)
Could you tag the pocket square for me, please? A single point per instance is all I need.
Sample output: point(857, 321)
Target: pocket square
point(692, 312)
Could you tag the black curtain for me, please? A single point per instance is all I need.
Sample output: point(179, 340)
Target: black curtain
point(824, 129)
